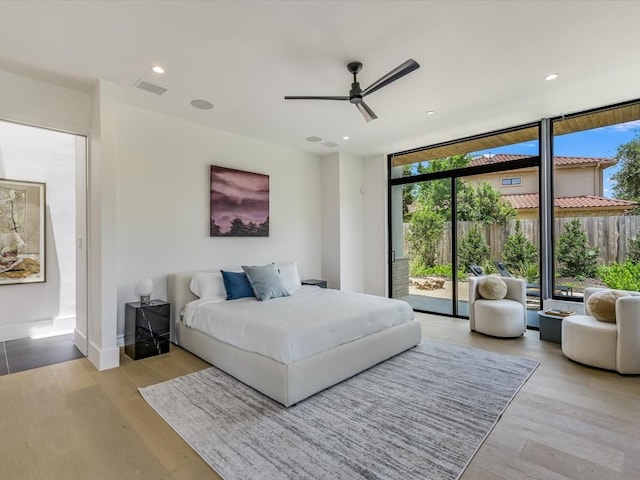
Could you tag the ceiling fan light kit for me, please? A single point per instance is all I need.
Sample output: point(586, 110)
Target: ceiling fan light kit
point(356, 94)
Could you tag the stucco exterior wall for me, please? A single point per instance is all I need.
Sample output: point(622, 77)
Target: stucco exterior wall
point(569, 182)
point(573, 182)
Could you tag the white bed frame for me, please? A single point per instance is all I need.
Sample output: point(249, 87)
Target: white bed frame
point(287, 384)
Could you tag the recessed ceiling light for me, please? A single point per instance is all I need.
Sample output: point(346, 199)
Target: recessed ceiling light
point(313, 139)
point(345, 138)
point(202, 104)
point(158, 69)
point(430, 112)
point(551, 76)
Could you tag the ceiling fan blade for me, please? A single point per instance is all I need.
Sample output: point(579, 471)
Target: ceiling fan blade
point(289, 97)
point(398, 72)
point(366, 112)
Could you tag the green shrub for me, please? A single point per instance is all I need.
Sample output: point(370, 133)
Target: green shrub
point(472, 249)
point(531, 272)
point(576, 258)
point(489, 267)
point(519, 252)
point(425, 230)
point(621, 276)
point(417, 268)
point(634, 249)
point(443, 271)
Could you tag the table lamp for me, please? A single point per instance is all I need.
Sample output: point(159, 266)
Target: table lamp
point(143, 288)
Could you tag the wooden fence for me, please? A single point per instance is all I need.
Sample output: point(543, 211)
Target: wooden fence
point(611, 234)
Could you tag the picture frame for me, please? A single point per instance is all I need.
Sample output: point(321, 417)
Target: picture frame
point(239, 203)
point(22, 232)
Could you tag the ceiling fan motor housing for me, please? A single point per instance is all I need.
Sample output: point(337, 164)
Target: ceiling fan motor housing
point(354, 67)
point(355, 94)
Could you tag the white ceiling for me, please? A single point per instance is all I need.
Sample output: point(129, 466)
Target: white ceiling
point(482, 62)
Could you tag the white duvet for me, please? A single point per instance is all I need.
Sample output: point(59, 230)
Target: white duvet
point(289, 329)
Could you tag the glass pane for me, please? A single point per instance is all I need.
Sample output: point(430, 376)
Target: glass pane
point(596, 193)
point(421, 268)
point(499, 147)
point(495, 236)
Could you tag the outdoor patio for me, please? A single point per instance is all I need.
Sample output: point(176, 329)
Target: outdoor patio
point(439, 301)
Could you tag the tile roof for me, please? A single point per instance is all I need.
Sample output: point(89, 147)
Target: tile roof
point(530, 200)
point(507, 157)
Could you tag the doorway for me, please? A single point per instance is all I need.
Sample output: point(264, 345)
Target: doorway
point(44, 294)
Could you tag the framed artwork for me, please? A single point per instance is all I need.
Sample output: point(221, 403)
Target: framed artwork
point(22, 232)
point(239, 203)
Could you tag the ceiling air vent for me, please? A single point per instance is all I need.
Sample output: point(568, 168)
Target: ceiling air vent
point(149, 87)
point(330, 144)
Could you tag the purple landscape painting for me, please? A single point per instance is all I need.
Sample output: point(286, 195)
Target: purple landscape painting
point(239, 203)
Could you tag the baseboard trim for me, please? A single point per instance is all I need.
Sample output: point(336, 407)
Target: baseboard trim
point(104, 359)
point(38, 328)
point(80, 341)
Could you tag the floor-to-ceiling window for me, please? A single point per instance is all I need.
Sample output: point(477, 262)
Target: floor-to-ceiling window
point(596, 189)
point(453, 207)
point(556, 203)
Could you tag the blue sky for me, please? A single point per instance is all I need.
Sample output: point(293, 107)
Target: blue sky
point(599, 142)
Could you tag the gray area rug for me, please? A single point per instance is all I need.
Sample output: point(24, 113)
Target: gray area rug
point(420, 415)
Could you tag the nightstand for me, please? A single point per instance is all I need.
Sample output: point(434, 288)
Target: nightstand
point(146, 328)
point(316, 282)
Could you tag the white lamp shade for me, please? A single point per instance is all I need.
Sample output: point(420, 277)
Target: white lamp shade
point(144, 287)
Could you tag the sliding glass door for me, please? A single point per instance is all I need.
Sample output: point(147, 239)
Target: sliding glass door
point(421, 247)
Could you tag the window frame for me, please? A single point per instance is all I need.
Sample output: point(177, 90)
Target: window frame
point(502, 184)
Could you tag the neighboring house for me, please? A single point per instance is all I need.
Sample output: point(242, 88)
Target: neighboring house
point(578, 186)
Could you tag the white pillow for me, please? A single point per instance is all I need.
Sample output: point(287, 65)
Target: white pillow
point(492, 287)
point(208, 286)
point(289, 275)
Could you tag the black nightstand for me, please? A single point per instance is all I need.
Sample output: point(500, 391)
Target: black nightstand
point(316, 282)
point(146, 328)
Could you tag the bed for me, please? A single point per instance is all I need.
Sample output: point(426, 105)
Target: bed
point(289, 377)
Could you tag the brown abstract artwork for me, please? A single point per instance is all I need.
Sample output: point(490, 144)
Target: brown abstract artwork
point(22, 232)
point(239, 203)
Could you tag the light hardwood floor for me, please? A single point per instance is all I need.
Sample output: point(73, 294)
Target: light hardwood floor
point(69, 421)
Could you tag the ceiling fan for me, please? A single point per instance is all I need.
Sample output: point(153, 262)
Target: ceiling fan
point(356, 94)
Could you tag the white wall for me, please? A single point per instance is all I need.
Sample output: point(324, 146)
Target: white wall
point(162, 195)
point(23, 99)
point(351, 223)
point(330, 165)
point(375, 245)
point(102, 255)
point(342, 222)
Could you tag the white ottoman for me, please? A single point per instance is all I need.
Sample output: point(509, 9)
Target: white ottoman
point(499, 318)
point(589, 341)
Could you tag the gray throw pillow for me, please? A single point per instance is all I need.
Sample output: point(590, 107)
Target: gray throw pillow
point(265, 281)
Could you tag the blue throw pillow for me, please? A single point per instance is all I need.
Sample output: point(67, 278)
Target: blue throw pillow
point(236, 284)
point(265, 282)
